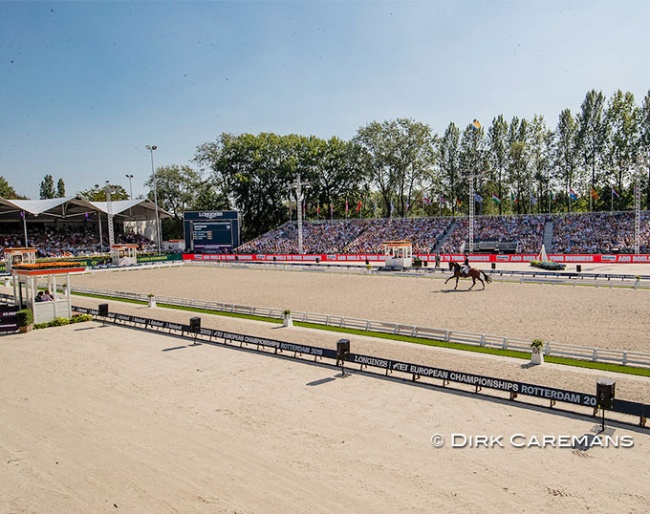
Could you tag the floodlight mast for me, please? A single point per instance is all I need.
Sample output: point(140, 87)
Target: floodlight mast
point(298, 185)
point(640, 168)
point(151, 148)
point(472, 195)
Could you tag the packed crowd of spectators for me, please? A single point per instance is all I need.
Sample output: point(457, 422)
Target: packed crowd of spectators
point(69, 243)
point(600, 232)
point(527, 231)
point(572, 233)
point(353, 236)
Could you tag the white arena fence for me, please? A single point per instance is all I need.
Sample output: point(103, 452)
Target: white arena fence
point(376, 365)
point(606, 280)
point(554, 349)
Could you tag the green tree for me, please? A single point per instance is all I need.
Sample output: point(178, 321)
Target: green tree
point(449, 164)
point(47, 187)
point(518, 164)
point(498, 154)
point(6, 191)
point(176, 188)
point(474, 161)
point(643, 119)
point(396, 156)
point(60, 189)
point(541, 159)
point(591, 137)
point(337, 173)
point(254, 171)
point(98, 193)
point(624, 134)
point(565, 153)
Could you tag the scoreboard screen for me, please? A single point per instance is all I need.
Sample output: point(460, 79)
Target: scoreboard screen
point(211, 231)
point(210, 237)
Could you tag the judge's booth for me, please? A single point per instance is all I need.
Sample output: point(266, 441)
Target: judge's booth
point(124, 255)
point(29, 280)
point(398, 254)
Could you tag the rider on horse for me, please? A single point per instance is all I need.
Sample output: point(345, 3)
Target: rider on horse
point(465, 269)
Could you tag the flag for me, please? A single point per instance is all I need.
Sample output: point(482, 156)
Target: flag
point(533, 200)
point(426, 200)
point(572, 194)
point(478, 198)
point(496, 199)
point(615, 192)
point(443, 200)
point(359, 206)
point(346, 205)
point(513, 198)
point(22, 214)
point(458, 202)
point(594, 194)
point(552, 195)
point(392, 206)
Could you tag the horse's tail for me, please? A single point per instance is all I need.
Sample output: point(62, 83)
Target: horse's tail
point(488, 279)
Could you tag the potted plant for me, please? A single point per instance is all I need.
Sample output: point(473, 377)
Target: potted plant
point(537, 351)
point(152, 300)
point(25, 320)
point(288, 322)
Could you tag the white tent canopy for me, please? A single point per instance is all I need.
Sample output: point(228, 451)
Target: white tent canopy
point(140, 213)
point(131, 210)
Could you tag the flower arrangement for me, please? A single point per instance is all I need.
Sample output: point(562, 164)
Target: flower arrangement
point(548, 265)
point(46, 265)
point(537, 345)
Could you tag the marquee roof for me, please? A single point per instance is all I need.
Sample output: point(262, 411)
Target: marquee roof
point(75, 206)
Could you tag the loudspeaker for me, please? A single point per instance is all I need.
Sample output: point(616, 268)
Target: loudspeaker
point(103, 309)
point(342, 349)
point(605, 392)
point(195, 325)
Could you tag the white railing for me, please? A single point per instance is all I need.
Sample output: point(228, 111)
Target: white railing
point(554, 349)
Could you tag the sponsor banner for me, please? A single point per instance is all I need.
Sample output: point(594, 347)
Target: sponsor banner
point(175, 326)
point(519, 388)
point(160, 258)
point(498, 384)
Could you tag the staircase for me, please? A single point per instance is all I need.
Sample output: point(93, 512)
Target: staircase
point(548, 236)
point(445, 236)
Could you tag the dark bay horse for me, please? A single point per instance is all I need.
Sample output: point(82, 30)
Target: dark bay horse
point(473, 274)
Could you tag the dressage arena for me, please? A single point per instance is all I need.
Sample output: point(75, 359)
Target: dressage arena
point(109, 418)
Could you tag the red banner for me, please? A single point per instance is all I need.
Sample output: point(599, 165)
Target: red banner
point(446, 257)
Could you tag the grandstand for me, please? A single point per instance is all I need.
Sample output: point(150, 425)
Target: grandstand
point(561, 233)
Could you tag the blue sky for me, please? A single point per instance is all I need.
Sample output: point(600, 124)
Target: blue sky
point(84, 86)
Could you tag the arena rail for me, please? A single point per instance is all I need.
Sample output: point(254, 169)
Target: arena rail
point(424, 375)
point(608, 280)
point(552, 348)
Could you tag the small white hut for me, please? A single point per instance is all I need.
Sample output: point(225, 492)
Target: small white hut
point(398, 254)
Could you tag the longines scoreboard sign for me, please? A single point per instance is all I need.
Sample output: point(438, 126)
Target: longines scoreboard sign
point(211, 231)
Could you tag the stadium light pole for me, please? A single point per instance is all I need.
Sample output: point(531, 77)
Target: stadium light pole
point(476, 125)
point(109, 215)
point(637, 203)
point(151, 148)
point(130, 177)
point(298, 185)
